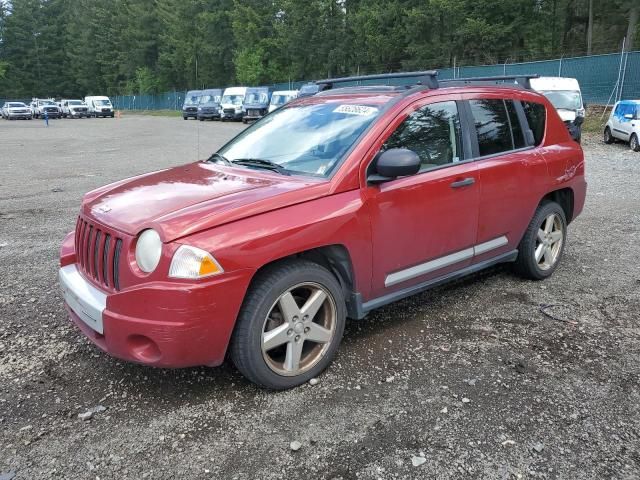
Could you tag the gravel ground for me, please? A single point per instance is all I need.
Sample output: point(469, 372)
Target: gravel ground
point(471, 380)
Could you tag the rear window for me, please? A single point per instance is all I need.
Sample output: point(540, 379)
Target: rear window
point(536, 118)
point(492, 125)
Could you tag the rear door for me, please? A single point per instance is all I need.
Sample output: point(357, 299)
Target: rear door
point(509, 170)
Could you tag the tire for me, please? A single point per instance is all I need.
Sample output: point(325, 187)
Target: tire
point(291, 281)
point(185, 118)
point(634, 144)
point(541, 249)
point(607, 137)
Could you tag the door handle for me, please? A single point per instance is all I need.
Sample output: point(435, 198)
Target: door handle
point(463, 183)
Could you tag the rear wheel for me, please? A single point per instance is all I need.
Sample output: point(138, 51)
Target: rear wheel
point(290, 325)
point(633, 143)
point(541, 248)
point(607, 137)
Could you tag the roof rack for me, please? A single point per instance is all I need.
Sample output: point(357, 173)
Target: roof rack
point(522, 80)
point(428, 78)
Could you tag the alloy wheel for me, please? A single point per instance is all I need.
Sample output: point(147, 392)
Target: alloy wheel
point(298, 329)
point(549, 242)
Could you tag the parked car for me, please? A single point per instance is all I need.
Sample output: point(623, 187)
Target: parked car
point(16, 110)
point(99, 106)
point(231, 103)
point(256, 103)
point(190, 105)
point(74, 108)
point(326, 209)
point(564, 94)
point(42, 106)
point(309, 89)
point(282, 97)
point(624, 124)
point(209, 106)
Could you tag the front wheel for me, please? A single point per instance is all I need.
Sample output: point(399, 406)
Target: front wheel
point(633, 143)
point(290, 325)
point(607, 137)
point(541, 248)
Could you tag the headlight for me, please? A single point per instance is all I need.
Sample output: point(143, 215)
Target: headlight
point(148, 250)
point(192, 262)
point(199, 109)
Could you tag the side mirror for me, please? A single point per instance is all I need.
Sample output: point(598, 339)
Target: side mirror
point(394, 163)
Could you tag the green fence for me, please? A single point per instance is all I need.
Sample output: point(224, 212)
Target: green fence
point(603, 79)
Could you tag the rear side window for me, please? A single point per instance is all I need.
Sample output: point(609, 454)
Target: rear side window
point(536, 118)
point(516, 128)
point(492, 125)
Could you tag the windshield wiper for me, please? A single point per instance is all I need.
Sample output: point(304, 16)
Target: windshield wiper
point(216, 156)
point(262, 163)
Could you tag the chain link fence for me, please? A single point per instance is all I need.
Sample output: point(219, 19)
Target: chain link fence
point(603, 80)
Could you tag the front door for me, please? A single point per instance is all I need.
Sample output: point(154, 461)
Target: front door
point(424, 226)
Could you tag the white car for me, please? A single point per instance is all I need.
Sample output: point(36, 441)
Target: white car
point(16, 110)
point(282, 97)
point(74, 108)
point(41, 107)
point(231, 103)
point(624, 124)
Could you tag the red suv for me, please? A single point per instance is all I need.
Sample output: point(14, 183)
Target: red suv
point(327, 208)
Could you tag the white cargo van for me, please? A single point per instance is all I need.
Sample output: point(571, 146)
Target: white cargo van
point(282, 97)
point(231, 103)
point(564, 94)
point(99, 106)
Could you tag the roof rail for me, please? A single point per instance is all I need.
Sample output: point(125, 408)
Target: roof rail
point(428, 78)
point(522, 80)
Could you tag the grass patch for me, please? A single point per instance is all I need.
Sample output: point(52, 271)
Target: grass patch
point(593, 123)
point(153, 113)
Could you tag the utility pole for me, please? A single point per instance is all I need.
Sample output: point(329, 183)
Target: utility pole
point(590, 28)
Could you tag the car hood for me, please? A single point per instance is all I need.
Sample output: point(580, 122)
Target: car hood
point(255, 105)
point(184, 200)
point(567, 115)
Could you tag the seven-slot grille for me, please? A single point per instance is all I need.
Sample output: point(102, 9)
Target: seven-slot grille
point(98, 254)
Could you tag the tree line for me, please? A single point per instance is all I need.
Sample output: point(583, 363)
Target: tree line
point(77, 47)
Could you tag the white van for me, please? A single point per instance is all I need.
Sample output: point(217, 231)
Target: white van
point(99, 106)
point(282, 97)
point(231, 103)
point(564, 94)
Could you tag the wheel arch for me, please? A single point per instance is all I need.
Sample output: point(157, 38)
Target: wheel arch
point(337, 260)
point(563, 197)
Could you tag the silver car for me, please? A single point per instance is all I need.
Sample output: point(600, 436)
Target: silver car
point(16, 110)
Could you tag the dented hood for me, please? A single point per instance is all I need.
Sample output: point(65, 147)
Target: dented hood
point(184, 200)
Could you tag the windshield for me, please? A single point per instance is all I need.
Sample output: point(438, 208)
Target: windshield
point(308, 139)
point(232, 99)
point(280, 99)
point(74, 102)
point(102, 102)
point(256, 97)
point(46, 102)
point(564, 99)
point(210, 99)
point(17, 105)
point(192, 100)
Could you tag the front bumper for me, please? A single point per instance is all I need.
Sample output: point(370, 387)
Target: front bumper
point(232, 116)
point(161, 324)
point(19, 115)
point(208, 115)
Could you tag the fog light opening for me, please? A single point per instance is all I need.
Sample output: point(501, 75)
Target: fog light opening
point(143, 348)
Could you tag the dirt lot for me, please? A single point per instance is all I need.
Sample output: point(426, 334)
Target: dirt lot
point(473, 377)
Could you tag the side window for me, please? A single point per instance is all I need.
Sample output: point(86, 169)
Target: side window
point(492, 125)
point(516, 128)
point(433, 132)
point(536, 118)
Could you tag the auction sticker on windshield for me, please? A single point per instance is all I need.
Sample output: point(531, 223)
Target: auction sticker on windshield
point(356, 110)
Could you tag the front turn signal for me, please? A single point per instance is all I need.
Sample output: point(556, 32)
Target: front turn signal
point(192, 262)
